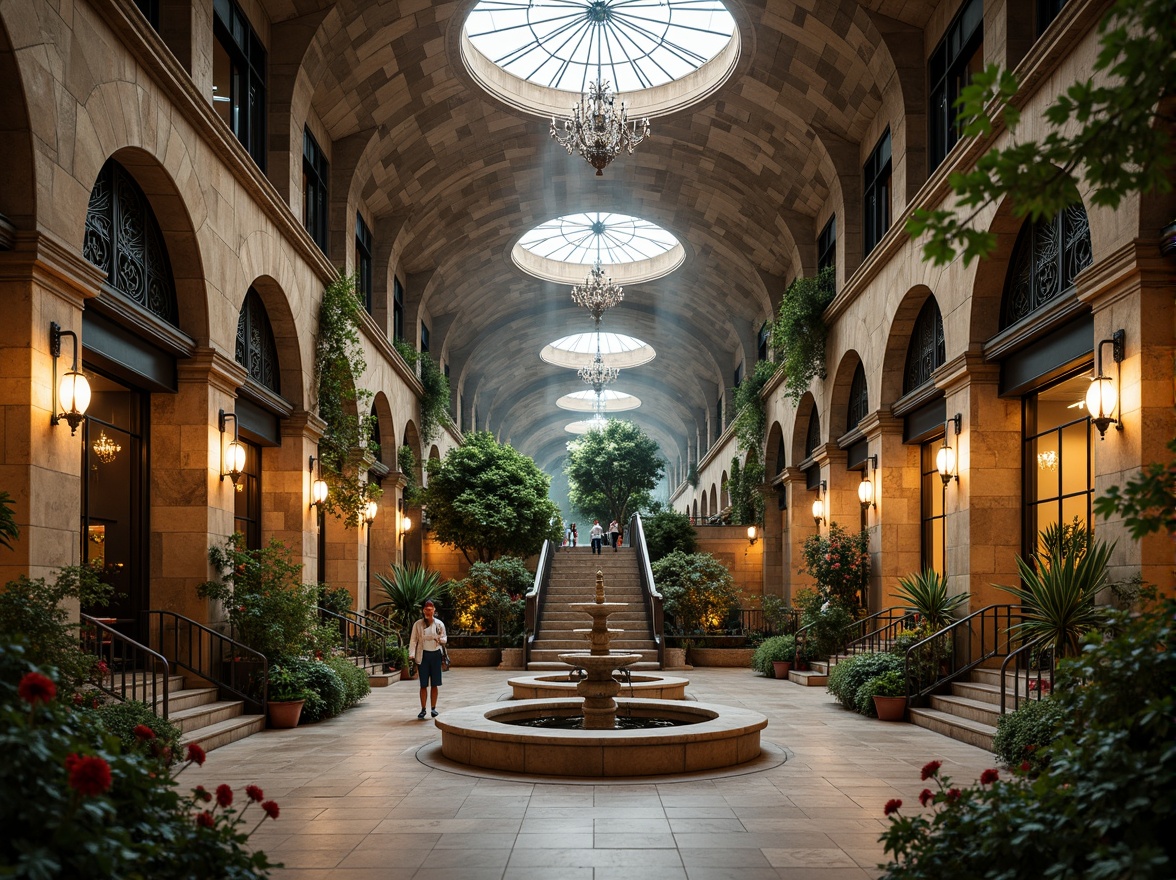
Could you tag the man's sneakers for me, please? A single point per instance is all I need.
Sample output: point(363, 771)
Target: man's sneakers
point(434, 713)
point(421, 715)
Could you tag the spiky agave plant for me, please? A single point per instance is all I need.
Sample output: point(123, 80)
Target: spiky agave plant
point(926, 594)
point(407, 587)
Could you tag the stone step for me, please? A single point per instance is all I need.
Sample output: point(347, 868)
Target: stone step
point(628, 647)
point(963, 707)
point(548, 656)
point(812, 678)
point(224, 732)
point(553, 614)
point(206, 714)
point(980, 691)
point(189, 698)
point(964, 729)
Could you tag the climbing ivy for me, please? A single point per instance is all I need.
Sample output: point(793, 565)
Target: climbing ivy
point(751, 419)
point(799, 332)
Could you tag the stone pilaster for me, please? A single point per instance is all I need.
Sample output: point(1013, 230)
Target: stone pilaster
point(286, 513)
point(798, 526)
point(894, 521)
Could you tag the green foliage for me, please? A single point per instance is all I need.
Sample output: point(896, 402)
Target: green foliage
point(1147, 502)
point(338, 362)
point(434, 399)
point(326, 694)
point(1103, 804)
point(888, 684)
point(925, 593)
point(9, 530)
point(751, 420)
point(799, 331)
point(337, 600)
point(698, 592)
point(851, 673)
point(141, 826)
point(611, 472)
point(692, 475)
point(826, 620)
point(777, 649)
point(121, 718)
point(489, 500)
point(840, 564)
point(778, 617)
point(286, 684)
point(490, 600)
point(667, 531)
point(406, 588)
point(1116, 137)
point(406, 462)
point(355, 680)
point(37, 611)
point(747, 502)
point(268, 606)
point(1023, 735)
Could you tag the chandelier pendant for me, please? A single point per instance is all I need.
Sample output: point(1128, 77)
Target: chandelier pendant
point(597, 294)
point(597, 374)
point(598, 130)
point(105, 449)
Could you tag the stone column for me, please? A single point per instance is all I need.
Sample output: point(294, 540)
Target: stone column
point(286, 480)
point(383, 540)
point(895, 538)
point(346, 564)
point(775, 574)
point(798, 526)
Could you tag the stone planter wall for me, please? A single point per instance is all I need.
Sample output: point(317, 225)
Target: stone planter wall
point(721, 656)
point(512, 658)
point(474, 656)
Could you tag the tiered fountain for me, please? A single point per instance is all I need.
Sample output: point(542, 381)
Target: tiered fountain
point(536, 736)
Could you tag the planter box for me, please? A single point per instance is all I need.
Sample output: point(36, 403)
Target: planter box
point(721, 656)
point(512, 658)
point(474, 656)
point(675, 658)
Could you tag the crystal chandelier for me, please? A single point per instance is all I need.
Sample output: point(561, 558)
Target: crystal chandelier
point(597, 130)
point(597, 374)
point(105, 449)
point(597, 294)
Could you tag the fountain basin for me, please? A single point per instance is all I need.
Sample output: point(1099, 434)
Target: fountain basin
point(554, 686)
point(714, 737)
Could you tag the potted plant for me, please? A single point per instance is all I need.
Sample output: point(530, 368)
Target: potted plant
point(926, 594)
point(888, 694)
point(775, 655)
point(287, 693)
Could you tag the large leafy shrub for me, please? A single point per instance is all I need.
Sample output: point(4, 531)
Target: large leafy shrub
point(326, 693)
point(851, 673)
point(698, 592)
point(1024, 734)
point(826, 621)
point(489, 600)
point(840, 564)
point(926, 594)
point(355, 680)
point(777, 649)
point(122, 718)
point(888, 684)
point(667, 530)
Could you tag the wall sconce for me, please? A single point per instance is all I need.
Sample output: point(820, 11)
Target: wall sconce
point(370, 510)
point(405, 521)
point(233, 454)
point(866, 487)
point(945, 458)
point(72, 396)
point(318, 486)
point(1102, 397)
point(752, 536)
point(819, 512)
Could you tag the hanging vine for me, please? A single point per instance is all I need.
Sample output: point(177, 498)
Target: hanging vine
point(348, 436)
point(799, 332)
point(436, 395)
point(406, 462)
point(751, 418)
point(747, 502)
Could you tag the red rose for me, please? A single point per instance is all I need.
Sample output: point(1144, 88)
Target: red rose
point(88, 776)
point(925, 796)
point(892, 806)
point(205, 820)
point(989, 776)
point(36, 688)
point(196, 753)
point(953, 795)
point(77, 699)
point(1025, 767)
point(931, 768)
point(255, 794)
point(271, 809)
point(201, 793)
point(224, 795)
point(143, 732)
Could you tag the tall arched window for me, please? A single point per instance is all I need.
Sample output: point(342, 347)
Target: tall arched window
point(256, 350)
point(123, 239)
point(859, 399)
point(1046, 259)
point(813, 438)
point(926, 352)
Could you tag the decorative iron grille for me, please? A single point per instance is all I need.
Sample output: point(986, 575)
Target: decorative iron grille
point(927, 351)
point(1047, 258)
point(256, 350)
point(859, 399)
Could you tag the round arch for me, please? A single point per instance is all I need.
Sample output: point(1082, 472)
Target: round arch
point(806, 411)
point(839, 402)
point(898, 340)
point(775, 460)
point(18, 171)
point(386, 429)
point(281, 318)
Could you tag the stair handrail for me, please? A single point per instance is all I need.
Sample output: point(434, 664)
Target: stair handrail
point(106, 643)
point(1044, 683)
point(533, 614)
point(887, 624)
point(936, 660)
point(651, 598)
point(355, 634)
point(204, 655)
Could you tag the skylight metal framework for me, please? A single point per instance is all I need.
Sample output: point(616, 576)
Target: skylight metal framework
point(598, 237)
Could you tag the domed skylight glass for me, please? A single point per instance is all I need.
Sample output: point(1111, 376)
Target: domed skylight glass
point(633, 44)
point(616, 350)
point(610, 401)
point(596, 423)
point(611, 239)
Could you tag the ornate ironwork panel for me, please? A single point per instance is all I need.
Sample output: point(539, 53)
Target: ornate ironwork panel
point(123, 239)
point(813, 438)
point(926, 352)
point(859, 398)
point(1047, 258)
point(256, 350)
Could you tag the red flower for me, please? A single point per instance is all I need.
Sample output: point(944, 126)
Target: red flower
point(255, 793)
point(36, 688)
point(1025, 767)
point(205, 820)
point(77, 699)
point(88, 776)
point(925, 796)
point(224, 795)
point(143, 732)
point(1032, 747)
point(892, 806)
point(271, 809)
point(989, 776)
point(196, 753)
point(102, 669)
point(953, 795)
point(201, 793)
point(931, 768)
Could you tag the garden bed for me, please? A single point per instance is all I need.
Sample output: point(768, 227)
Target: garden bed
point(740, 657)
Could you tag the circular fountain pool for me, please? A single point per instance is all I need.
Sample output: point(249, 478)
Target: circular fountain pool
point(560, 685)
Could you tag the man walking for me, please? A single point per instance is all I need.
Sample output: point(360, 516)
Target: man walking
point(597, 535)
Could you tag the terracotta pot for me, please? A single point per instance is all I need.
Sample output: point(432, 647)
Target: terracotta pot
point(406, 673)
point(284, 713)
point(781, 668)
point(890, 708)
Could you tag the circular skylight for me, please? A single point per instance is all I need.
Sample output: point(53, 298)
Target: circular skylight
point(631, 44)
point(610, 401)
point(610, 239)
point(616, 350)
point(596, 423)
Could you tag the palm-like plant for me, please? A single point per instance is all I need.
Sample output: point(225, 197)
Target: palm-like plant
point(407, 588)
point(1058, 594)
point(926, 594)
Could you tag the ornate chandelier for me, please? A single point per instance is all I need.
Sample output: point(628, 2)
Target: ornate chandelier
point(597, 130)
point(597, 294)
point(597, 374)
point(105, 449)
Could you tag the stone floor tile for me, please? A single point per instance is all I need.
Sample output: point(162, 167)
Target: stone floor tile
point(634, 841)
point(554, 840)
point(809, 858)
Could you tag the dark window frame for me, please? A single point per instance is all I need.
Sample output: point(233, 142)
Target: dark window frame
point(315, 190)
point(1047, 11)
point(859, 398)
point(762, 341)
point(248, 58)
point(363, 261)
point(425, 338)
point(926, 351)
point(248, 496)
point(1045, 262)
point(948, 72)
point(812, 436)
point(827, 246)
point(876, 195)
point(256, 348)
point(932, 489)
point(397, 310)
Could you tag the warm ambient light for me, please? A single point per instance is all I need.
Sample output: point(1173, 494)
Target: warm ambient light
point(318, 486)
point(405, 525)
point(232, 454)
point(819, 505)
point(72, 394)
point(369, 511)
point(1102, 397)
point(866, 487)
point(945, 458)
point(752, 535)
point(1048, 460)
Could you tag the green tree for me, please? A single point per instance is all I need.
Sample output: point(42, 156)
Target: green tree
point(612, 471)
point(1116, 136)
point(488, 500)
point(666, 530)
point(799, 331)
point(698, 592)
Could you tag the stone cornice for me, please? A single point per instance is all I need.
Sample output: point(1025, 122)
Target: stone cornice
point(966, 369)
point(1122, 273)
point(303, 424)
point(208, 366)
point(51, 263)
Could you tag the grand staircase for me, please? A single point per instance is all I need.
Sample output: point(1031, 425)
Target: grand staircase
point(573, 579)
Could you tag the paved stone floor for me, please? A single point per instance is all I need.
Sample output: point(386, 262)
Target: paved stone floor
point(356, 804)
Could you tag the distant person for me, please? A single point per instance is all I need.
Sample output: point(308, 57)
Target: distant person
point(574, 538)
point(597, 536)
point(425, 645)
point(614, 534)
point(568, 534)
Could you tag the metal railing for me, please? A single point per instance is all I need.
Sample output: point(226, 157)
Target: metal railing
point(232, 666)
point(133, 671)
point(363, 644)
point(753, 620)
point(532, 615)
point(1039, 682)
point(960, 647)
point(878, 631)
point(650, 596)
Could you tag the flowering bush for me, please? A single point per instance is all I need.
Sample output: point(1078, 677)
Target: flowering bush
point(840, 564)
point(826, 620)
point(80, 803)
point(697, 590)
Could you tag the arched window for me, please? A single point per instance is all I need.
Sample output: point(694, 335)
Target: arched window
point(813, 438)
point(256, 350)
point(859, 399)
point(124, 240)
point(780, 462)
point(926, 352)
point(1047, 258)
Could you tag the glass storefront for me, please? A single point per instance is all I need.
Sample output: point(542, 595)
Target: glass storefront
point(247, 497)
point(934, 523)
